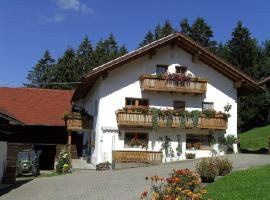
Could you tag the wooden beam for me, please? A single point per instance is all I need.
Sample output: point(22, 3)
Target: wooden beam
point(196, 57)
point(237, 84)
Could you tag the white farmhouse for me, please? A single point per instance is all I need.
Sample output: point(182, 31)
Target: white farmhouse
point(188, 86)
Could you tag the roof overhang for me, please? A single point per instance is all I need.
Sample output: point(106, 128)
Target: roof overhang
point(243, 82)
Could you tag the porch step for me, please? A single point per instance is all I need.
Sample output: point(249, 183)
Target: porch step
point(82, 164)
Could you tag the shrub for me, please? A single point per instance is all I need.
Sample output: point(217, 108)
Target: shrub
point(64, 162)
point(182, 184)
point(207, 168)
point(224, 165)
point(190, 155)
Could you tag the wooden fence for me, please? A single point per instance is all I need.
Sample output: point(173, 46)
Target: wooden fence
point(151, 157)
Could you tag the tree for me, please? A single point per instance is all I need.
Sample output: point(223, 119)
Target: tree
point(40, 75)
point(167, 29)
point(199, 31)
point(158, 32)
point(149, 38)
point(66, 71)
point(85, 57)
point(242, 49)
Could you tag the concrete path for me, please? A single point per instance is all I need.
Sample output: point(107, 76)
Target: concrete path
point(110, 185)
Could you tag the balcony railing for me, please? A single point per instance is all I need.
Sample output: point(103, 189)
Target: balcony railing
point(138, 119)
point(154, 83)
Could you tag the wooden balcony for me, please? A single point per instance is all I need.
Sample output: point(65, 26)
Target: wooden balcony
point(152, 83)
point(151, 157)
point(136, 119)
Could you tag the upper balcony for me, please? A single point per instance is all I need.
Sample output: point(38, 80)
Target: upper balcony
point(173, 83)
point(145, 118)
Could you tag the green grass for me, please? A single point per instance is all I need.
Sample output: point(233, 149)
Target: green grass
point(250, 184)
point(255, 139)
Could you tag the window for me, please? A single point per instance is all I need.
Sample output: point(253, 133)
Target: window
point(178, 105)
point(161, 69)
point(136, 102)
point(136, 140)
point(194, 141)
point(180, 69)
point(207, 106)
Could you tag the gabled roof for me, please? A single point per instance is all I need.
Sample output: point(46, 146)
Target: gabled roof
point(176, 39)
point(36, 106)
point(5, 115)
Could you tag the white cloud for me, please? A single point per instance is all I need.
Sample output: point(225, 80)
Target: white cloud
point(74, 5)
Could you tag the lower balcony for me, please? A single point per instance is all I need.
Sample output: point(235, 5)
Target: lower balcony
point(135, 119)
point(150, 157)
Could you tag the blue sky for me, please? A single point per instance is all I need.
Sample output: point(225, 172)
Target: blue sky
point(29, 27)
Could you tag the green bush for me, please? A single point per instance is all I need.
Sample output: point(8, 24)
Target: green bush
point(64, 162)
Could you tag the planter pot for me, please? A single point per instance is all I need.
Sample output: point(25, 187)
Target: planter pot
point(207, 179)
point(224, 173)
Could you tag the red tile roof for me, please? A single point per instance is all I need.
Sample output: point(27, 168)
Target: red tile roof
point(36, 106)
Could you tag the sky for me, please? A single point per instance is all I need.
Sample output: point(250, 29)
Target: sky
point(29, 27)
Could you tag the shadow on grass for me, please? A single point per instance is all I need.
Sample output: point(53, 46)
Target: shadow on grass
point(258, 151)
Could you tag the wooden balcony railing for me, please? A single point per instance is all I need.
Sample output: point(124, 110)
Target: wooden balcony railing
point(152, 83)
point(137, 119)
point(137, 157)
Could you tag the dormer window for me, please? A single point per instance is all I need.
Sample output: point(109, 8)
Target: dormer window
point(180, 69)
point(161, 69)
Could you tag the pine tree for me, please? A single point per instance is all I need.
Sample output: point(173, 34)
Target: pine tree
point(167, 29)
point(149, 38)
point(199, 31)
point(242, 49)
point(66, 70)
point(85, 57)
point(122, 50)
point(40, 75)
point(184, 27)
point(158, 32)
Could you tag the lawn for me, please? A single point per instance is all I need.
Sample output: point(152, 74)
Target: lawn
point(250, 184)
point(255, 139)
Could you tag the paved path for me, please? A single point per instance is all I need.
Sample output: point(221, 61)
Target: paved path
point(110, 185)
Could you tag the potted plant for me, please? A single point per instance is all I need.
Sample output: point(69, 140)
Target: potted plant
point(207, 169)
point(230, 140)
point(190, 155)
point(224, 166)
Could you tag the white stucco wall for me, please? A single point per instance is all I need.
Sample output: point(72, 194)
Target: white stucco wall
point(3, 157)
point(123, 82)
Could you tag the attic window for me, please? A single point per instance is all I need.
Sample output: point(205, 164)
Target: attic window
point(180, 69)
point(161, 69)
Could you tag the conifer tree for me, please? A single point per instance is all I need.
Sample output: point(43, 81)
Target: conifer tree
point(40, 75)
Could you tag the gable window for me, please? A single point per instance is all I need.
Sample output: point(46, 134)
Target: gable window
point(180, 69)
point(207, 106)
point(136, 102)
point(136, 140)
point(179, 105)
point(161, 69)
point(196, 141)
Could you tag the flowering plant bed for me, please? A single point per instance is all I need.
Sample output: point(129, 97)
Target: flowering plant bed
point(182, 184)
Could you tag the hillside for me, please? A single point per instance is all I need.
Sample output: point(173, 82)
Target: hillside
point(255, 138)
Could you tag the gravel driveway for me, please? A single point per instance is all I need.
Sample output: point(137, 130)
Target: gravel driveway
point(110, 185)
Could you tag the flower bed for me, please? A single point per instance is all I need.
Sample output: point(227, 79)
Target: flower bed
point(182, 184)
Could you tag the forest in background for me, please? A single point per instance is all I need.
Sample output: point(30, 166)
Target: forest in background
point(241, 50)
